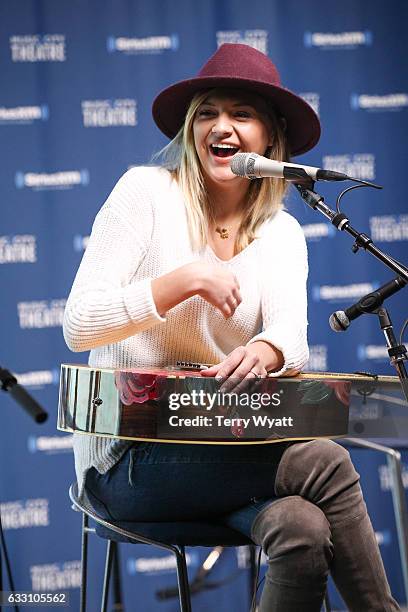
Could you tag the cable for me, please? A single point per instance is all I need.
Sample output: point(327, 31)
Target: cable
point(401, 338)
point(344, 192)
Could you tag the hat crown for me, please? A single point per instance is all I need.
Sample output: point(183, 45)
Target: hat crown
point(239, 61)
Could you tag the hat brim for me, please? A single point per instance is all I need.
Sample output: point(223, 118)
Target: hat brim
point(302, 124)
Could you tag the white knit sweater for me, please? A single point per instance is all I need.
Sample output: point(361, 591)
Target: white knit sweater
point(141, 233)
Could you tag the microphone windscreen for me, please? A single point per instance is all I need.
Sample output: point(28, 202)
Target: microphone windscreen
point(238, 164)
point(339, 321)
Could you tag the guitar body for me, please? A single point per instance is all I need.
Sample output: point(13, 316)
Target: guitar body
point(176, 405)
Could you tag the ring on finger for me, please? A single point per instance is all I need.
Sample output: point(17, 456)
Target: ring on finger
point(256, 374)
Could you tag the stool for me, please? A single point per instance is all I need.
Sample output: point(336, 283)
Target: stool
point(169, 536)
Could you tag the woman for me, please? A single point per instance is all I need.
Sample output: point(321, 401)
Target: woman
point(188, 262)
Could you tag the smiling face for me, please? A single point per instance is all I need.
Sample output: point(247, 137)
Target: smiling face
point(228, 122)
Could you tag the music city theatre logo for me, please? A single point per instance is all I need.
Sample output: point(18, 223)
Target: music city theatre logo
point(38, 48)
point(41, 314)
point(41, 181)
point(337, 40)
point(24, 115)
point(357, 165)
point(334, 293)
point(109, 113)
point(56, 576)
point(389, 228)
point(374, 102)
point(20, 248)
point(24, 513)
point(148, 45)
point(258, 39)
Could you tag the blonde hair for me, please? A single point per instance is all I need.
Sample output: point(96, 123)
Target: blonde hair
point(264, 195)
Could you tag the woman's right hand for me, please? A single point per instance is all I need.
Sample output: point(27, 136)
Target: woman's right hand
point(215, 284)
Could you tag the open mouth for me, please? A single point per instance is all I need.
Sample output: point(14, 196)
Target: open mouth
point(223, 150)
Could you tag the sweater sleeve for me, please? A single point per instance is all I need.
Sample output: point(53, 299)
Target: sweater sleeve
point(104, 306)
point(284, 296)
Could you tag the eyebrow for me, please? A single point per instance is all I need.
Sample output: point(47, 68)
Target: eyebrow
point(238, 103)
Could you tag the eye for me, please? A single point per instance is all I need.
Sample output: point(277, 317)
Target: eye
point(205, 112)
point(243, 114)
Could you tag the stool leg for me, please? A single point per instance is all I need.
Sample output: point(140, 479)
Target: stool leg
point(84, 562)
point(327, 607)
point(110, 551)
point(116, 582)
point(182, 579)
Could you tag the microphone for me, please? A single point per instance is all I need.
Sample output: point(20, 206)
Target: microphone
point(253, 166)
point(9, 383)
point(340, 320)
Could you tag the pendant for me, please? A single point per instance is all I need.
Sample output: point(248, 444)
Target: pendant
point(223, 232)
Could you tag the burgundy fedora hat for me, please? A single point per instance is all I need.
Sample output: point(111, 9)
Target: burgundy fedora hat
point(243, 67)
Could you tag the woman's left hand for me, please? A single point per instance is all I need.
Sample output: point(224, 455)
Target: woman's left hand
point(242, 366)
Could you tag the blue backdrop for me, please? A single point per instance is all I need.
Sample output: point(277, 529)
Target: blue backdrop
point(77, 81)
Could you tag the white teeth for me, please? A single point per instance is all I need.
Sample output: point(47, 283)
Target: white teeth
point(224, 146)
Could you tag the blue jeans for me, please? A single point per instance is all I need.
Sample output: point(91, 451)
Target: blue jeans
point(188, 482)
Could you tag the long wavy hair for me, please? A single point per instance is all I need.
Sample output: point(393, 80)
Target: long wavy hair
point(264, 198)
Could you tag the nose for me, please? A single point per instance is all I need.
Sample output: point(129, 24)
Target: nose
point(222, 125)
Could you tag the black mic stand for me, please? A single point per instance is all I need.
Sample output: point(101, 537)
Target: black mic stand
point(397, 353)
point(9, 383)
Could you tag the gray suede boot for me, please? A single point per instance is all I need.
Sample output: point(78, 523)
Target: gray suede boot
point(295, 535)
point(321, 472)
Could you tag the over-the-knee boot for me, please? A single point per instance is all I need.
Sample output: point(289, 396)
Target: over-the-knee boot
point(321, 471)
point(295, 535)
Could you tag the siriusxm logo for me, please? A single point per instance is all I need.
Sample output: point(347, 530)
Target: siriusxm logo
point(38, 378)
point(107, 113)
point(23, 114)
point(25, 513)
point(317, 231)
point(258, 39)
point(357, 165)
point(49, 444)
point(80, 242)
point(37, 48)
point(317, 358)
point(38, 315)
point(372, 352)
point(53, 180)
point(56, 576)
point(387, 102)
point(158, 565)
point(333, 293)
point(384, 475)
point(389, 228)
point(337, 40)
point(313, 99)
point(151, 44)
point(20, 248)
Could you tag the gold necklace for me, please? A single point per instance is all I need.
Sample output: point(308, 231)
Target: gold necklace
point(223, 232)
